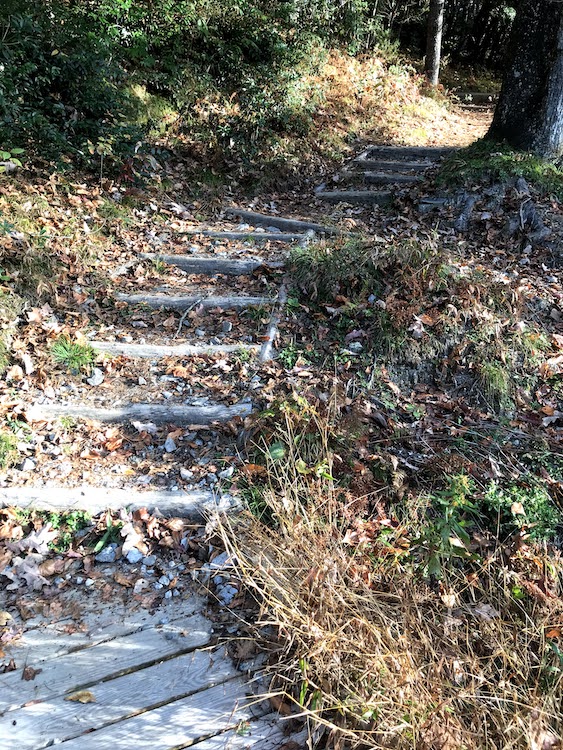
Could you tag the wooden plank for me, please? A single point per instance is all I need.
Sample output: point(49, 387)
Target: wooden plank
point(103, 661)
point(266, 733)
point(41, 724)
point(104, 623)
point(391, 178)
point(291, 225)
point(174, 725)
point(185, 301)
point(195, 504)
point(156, 351)
point(157, 413)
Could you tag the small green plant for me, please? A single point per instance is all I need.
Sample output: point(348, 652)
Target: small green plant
point(527, 508)
point(159, 266)
point(73, 355)
point(289, 355)
point(10, 159)
point(67, 524)
point(444, 537)
point(67, 423)
point(8, 450)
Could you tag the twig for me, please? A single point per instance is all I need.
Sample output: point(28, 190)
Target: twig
point(185, 315)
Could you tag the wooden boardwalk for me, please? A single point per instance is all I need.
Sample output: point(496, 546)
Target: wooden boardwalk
point(148, 681)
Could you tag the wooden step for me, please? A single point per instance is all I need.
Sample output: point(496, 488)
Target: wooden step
point(477, 97)
point(203, 265)
point(157, 413)
point(401, 167)
point(192, 504)
point(158, 351)
point(355, 196)
point(290, 225)
point(256, 237)
point(408, 153)
point(184, 302)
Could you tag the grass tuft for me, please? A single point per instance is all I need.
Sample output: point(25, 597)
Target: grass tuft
point(73, 355)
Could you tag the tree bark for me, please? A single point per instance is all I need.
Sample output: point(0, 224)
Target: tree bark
point(434, 40)
point(529, 115)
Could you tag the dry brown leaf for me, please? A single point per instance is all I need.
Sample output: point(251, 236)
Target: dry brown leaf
point(82, 696)
point(5, 618)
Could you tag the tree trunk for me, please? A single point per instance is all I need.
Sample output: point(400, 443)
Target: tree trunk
point(529, 115)
point(434, 40)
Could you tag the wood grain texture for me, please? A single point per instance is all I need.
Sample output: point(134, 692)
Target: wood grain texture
point(174, 725)
point(256, 237)
point(156, 351)
point(194, 264)
point(103, 661)
point(183, 302)
point(194, 504)
point(38, 725)
point(157, 413)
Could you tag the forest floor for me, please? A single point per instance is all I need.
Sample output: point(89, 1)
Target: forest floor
point(404, 471)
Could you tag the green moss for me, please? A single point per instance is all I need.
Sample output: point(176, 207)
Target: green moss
point(498, 162)
point(9, 454)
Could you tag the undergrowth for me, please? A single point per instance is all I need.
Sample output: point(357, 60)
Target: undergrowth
point(400, 631)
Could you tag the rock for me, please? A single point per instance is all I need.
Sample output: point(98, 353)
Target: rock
point(108, 554)
point(200, 332)
point(226, 594)
point(168, 594)
point(169, 445)
point(149, 561)
point(226, 473)
point(186, 473)
point(212, 478)
point(134, 556)
point(227, 326)
point(89, 582)
point(355, 346)
point(164, 580)
point(27, 465)
point(96, 378)
point(141, 380)
point(140, 585)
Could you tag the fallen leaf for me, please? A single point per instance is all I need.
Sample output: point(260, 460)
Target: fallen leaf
point(5, 618)
point(29, 673)
point(82, 696)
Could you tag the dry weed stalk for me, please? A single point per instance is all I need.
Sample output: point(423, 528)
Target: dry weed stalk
point(382, 658)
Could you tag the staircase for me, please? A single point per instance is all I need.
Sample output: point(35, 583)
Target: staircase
point(375, 175)
point(231, 283)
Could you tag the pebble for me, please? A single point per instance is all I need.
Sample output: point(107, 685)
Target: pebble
point(167, 394)
point(226, 594)
point(149, 561)
point(227, 473)
point(164, 580)
point(355, 346)
point(168, 594)
point(212, 478)
point(157, 586)
point(134, 556)
point(169, 445)
point(227, 326)
point(142, 380)
point(186, 473)
point(79, 580)
point(96, 378)
point(27, 465)
point(89, 582)
point(140, 585)
point(199, 332)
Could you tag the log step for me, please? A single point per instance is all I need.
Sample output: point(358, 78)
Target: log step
point(289, 225)
point(209, 266)
point(355, 196)
point(157, 413)
point(158, 351)
point(410, 153)
point(194, 504)
point(391, 166)
point(254, 236)
point(183, 302)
